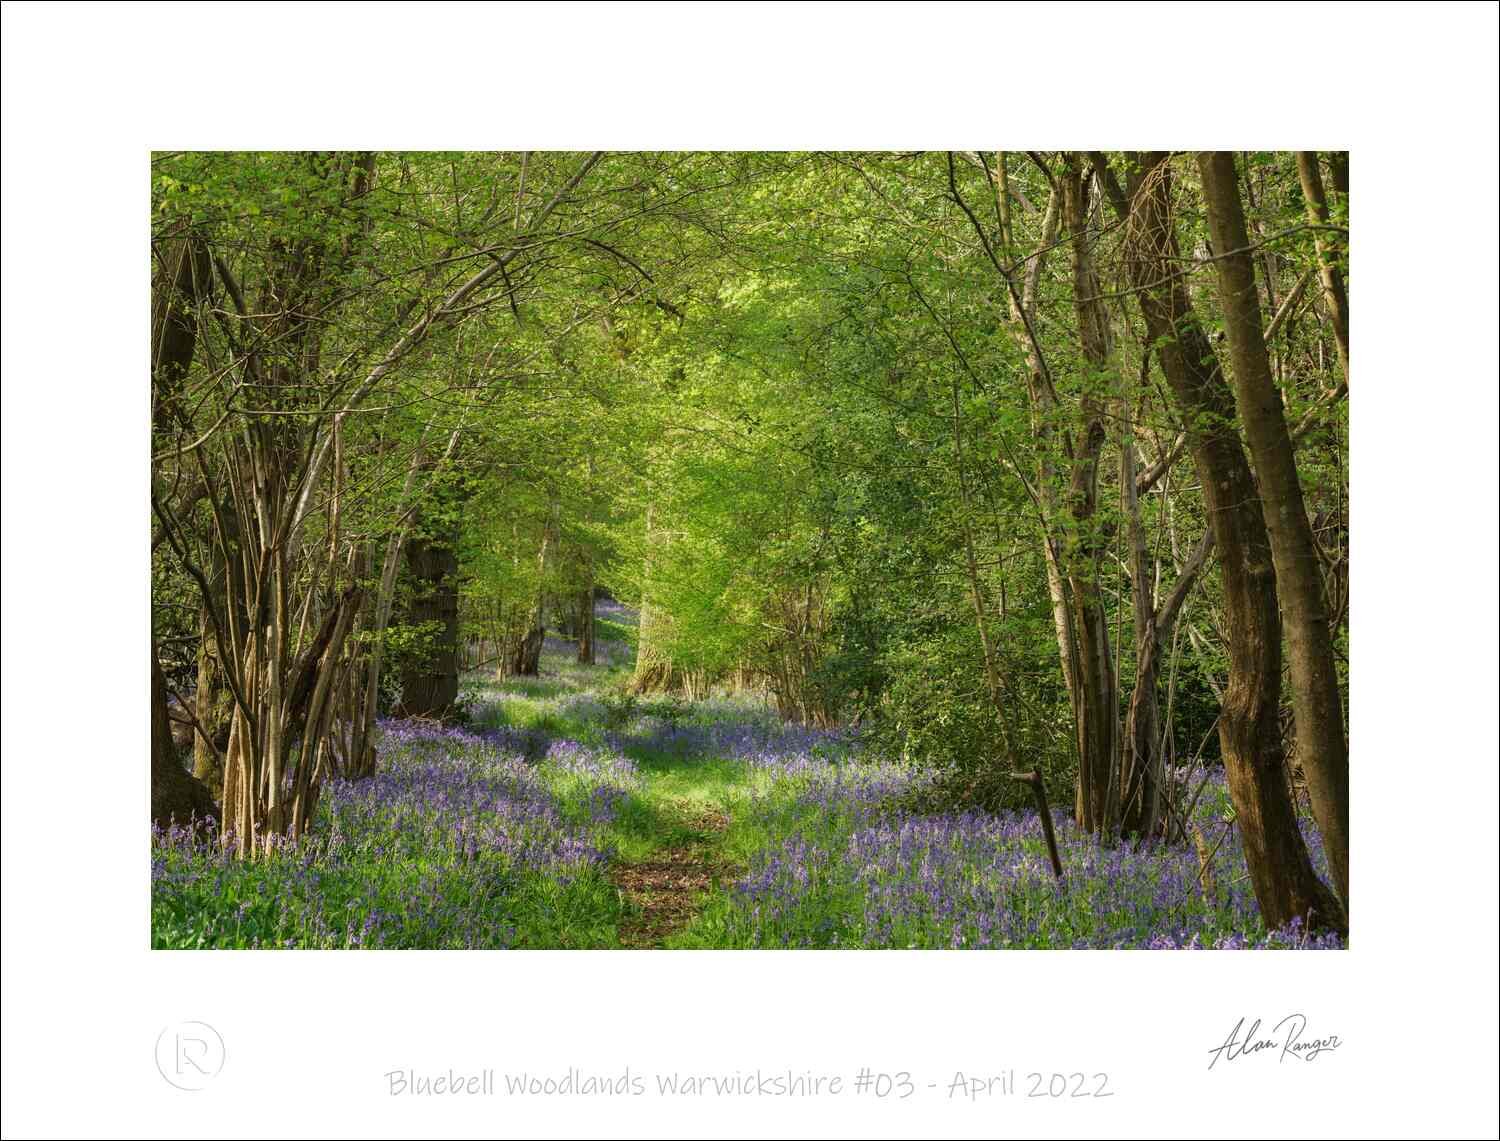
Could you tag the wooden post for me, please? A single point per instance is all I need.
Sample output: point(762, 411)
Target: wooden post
point(1034, 779)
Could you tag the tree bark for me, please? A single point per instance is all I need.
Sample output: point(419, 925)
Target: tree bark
point(655, 671)
point(429, 685)
point(1334, 295)
point(1097, 709)
point(1281, 872)
point(1139, 756)
point(211, 705)
point(586, 621)
point(528, 653)
point(1321, 744)
point(180, 281)
point(176, 795)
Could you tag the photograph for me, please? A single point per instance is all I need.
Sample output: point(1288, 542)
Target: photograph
point(755, 569)
point(750, 550)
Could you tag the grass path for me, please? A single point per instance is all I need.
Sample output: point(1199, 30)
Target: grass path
point(677, 837)
point(664, 892)
point(674, 843)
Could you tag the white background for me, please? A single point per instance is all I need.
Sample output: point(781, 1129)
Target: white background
point(90, 89)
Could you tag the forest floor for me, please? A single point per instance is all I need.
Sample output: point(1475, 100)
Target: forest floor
point(664, 891)
point(569, 813)
point(668, 837)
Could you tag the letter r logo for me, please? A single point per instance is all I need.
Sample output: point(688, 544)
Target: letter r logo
point(189, 1055)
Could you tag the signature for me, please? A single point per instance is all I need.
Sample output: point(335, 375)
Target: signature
point(1287, 1039)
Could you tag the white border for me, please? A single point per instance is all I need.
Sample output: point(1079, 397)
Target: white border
point(90, 88)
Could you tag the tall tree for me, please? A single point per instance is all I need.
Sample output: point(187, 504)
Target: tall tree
point(1321, 745)
point(1286, 886)
point(1098, 695)
point(179, 285)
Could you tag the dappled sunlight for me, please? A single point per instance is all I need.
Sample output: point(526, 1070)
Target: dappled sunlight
point(769, 545)
point(560, 815)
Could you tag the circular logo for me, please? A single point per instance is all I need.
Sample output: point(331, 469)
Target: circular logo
point(189, 1054)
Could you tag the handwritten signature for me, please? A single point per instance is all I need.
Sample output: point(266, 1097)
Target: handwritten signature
point(1287, 1039)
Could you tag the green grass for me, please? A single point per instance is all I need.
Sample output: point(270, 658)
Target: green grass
point(534, 687)
point(675, 796)
point(520, 711)
point(610, 630)
point(677, 799)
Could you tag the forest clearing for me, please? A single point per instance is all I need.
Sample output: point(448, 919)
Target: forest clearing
point(700, 549)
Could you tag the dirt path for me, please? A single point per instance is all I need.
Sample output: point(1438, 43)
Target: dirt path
point(665, 891)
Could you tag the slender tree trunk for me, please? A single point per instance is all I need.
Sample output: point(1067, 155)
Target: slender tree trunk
point(211, 706)
point(1321, 744)
point(1281, 873)
point(1329, 273)
point(586, 620)
point(586, 596)
point(1043, 404)
point(1071, 542)
point(1140, 758)
point(976, 597)
point(1098, 703)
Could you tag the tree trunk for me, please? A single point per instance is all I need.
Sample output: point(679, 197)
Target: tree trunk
point(1097, 709)
point(586, 622)
point(176, 795)
point(1321, 744)
point(1328, 270)
point(180, 281)
point(654, 669)
point(429, 686)
point(360, 759)
point(1140, 760)
point(1281, 873)
point(526, 661)
point(1043, 405)
point(211, 705)
point(586, 596)
point(1071, 542)
point(527, 658)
